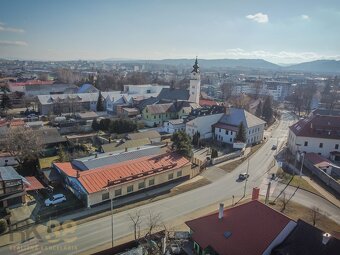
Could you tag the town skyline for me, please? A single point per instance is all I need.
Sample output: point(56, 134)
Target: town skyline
point(159, 30)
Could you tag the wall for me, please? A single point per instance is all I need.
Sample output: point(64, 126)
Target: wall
point(160, 178)
point(328, 180)
point(203, 125)
point(226, 157)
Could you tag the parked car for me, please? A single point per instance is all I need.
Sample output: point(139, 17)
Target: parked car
point(55, 199)
point(243, 176)
point(175, 249)
point(274, 147)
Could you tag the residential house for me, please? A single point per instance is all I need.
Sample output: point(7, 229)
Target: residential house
point(152, 135)
point(316, 133)
point(101, 184)
point(156, 114)
point(203, 125)
point(87, 88)
point(173, 126)
point(12, 189)
point(225, 130)
point(250, 228)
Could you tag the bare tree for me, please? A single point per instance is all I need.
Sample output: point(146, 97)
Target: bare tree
point(315, 215)
point(136, 220)
point(284, 201)
point(23, 143)
point(227, 89)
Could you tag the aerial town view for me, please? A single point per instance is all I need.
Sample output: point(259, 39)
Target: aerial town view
point(150, 127)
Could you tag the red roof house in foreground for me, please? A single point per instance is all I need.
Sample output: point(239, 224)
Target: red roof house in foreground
point(252, 228)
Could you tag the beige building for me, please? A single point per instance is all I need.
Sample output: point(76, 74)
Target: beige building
point(98, 185)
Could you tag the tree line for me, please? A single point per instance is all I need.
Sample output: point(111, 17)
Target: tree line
point(119, 126)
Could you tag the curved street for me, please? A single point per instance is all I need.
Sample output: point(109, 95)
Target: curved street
point(97, 232)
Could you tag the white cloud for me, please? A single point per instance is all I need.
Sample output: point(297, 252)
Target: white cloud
point(258, 17)
point(10, 29)
point(13, 43)
point(305, 17)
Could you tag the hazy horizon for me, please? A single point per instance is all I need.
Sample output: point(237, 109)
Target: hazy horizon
point(286, 32)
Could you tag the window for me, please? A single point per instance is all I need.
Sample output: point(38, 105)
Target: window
point(336, 146)
point(231, 132)
point(321, 145)
point(118, 192)
point(231, 139)
point(141, 185)
point(227, 132)
point(151, 182)
point(219, 130)
point(170, 176)
point(179, 173)
point(306, 143)
point(105, 196)
point(130, 189)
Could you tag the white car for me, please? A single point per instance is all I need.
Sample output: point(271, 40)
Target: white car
point(55, 199)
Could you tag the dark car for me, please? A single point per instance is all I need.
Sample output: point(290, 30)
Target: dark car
point(274, 147)
point(243, 176)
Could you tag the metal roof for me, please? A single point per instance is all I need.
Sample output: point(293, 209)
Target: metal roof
point(8, 173)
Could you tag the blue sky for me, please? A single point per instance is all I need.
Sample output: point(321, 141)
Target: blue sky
point(281, 31)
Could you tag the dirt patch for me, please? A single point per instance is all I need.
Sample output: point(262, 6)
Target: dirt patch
point(296, 211)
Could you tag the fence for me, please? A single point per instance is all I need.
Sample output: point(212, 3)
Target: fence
point(232, 155)
point(332, 183)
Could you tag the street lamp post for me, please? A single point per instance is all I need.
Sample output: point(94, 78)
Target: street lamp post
point(111, 207)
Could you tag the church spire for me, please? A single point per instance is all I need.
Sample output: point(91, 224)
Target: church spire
point(196, 67)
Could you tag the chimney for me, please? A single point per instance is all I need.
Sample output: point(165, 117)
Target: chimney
point(325, 238)
point(126, 149)
point(255, 194)
point(220, 211)
point(78, 174)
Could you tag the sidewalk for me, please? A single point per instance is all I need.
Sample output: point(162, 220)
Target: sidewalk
point(322, 191)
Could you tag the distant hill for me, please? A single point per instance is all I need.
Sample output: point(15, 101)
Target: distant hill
point(210, 63)
point(324, 66)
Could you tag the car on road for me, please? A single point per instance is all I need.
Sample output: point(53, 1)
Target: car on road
point(243, 176)
point(274, 147)
point(55, 199)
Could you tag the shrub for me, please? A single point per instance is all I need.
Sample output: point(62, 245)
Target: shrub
point(3, 225)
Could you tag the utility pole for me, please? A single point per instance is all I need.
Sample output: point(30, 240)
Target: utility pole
point(245, 184)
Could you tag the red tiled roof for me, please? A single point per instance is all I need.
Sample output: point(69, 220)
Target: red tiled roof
point(96, 179)
point(253, 227)
point(32, 82)
point(34, 183)
point(207, 102)
point(319, 126)
point(318, 160)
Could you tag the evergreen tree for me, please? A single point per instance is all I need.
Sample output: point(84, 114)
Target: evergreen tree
point(241, 134)
point(181, 143)
point(258, 112)
point(100, 103)
point(214, 153)
point(267, 111)
point(95, 125)
point(5, 101)
point(196, 138)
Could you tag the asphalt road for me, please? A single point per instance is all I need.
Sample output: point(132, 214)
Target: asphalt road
point(97, 232)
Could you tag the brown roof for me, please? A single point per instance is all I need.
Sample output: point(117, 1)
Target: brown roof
point(160, 108)
point(319, 126)
point(253, 226)
point(33, 183)
point(225, 126)
point(97, 179)
point(318, 160)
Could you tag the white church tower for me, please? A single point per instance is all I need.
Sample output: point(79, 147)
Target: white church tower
point(195, 84)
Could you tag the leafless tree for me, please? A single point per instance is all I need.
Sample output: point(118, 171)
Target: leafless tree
point(23, 144)
point(284, 201)
point(315, 215)
point(227, 89)
point(135, 217)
